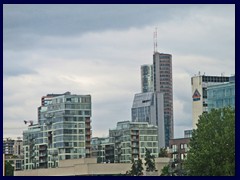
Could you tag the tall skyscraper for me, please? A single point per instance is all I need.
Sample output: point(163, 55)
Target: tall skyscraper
point(63, 131)
point(200, 84)
point(147, 78)
point(162, 78)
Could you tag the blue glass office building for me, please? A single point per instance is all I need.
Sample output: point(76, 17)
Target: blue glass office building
point(221, 95)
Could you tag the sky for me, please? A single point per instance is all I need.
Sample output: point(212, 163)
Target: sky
point(98, 50)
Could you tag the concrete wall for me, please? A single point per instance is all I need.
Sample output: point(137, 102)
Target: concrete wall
point(88, 167)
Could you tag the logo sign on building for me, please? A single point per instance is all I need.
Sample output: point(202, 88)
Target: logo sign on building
point(196, 95)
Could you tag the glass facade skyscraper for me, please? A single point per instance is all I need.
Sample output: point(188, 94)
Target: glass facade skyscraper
point(156, 78)
point(221, 95)
point(147, 78)
point(148, 107)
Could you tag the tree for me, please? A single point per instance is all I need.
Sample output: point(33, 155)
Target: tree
point(149, 161)
point(163, 152)
point(136, 169)
point(9, 169)
point(166, 171)
point(212, 146)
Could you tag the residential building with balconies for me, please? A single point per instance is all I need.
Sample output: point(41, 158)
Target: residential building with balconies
point(63, 131)
point(131, 138)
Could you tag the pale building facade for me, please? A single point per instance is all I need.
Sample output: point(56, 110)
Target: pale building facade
point(199, 86)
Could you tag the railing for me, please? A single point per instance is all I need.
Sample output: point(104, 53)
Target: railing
point(88, 133)
point(88, 145)
point(42, 148)
point(42, 161)
point(42, 154)
point(134, 139)
point(135, 152)
point(88, 139)
point(134, 133)
point(88, 126)
point(88, 120)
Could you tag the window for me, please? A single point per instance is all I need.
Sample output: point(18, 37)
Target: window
point(181, 146)
point(185, 146)
point(182, 156)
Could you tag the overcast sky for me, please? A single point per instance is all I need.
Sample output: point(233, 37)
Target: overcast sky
point(98, 50)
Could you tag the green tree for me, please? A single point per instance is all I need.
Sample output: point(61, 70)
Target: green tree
point(136, 169)
point(9, 169)
point(166, 171)
point(212, 146)
point(149, 161)
point(163, 152)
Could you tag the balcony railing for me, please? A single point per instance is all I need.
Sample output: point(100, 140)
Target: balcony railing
point(135, 152)
point(42, 161)
point(42, 154)
point(87, 120)
point(88, 132)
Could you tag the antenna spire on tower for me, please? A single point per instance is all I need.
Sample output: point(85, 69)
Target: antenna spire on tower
point(155, 40)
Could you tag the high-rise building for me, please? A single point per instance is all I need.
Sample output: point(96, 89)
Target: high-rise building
point(200, 84)
point(148, 107)
point(131, 138)
point(162, 78)
point(221, 95)
point(63, 131)
point(147, 78)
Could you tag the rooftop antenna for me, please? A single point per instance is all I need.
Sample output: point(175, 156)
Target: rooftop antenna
point(155, 40)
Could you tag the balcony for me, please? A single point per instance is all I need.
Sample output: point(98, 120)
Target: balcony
point(134, 133)
point(134, 139)
point(88, 126)
point(42, 154)
point(135, 152)
point(109, 154)
point(135, 147)
point(42, 148)
point(87, 139)
point(88, 132)
point(87, 120)
point(109, 147)
point(33, 155)
point(88, 146)
point(42, 161)
point(119, 152)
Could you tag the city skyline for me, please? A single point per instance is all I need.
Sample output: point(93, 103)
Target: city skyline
point(99, 50)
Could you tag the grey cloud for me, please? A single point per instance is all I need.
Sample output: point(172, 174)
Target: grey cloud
point(99, 51)
point(16, 71)
point(75, 19)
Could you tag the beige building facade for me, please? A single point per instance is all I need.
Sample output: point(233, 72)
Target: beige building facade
point(88, 167)
point(199, 94)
